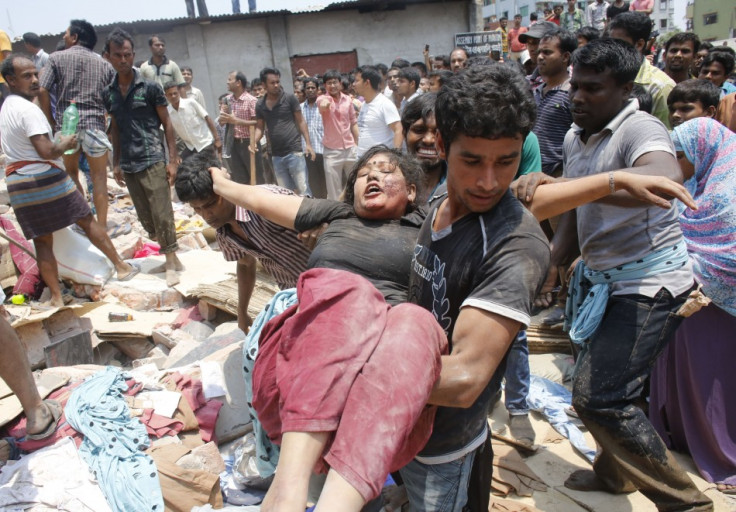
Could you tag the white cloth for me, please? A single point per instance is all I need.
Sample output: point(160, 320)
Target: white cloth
point(190, 125)
point(53, 478)
point(373, 121)
point(19, 121)
point(196, 95)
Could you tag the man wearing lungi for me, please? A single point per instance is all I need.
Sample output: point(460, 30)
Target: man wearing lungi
point(43, 196)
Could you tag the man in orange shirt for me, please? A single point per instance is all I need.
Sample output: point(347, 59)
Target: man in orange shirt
point(515, 46)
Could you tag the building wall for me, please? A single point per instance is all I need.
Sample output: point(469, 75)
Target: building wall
point(723, 28)
point(214, 48)
point(663, 15)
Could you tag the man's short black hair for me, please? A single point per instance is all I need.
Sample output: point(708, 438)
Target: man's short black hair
point(410, 168)
point(637, 25)
point(646, 102)
point(696, 89)
point(400, 63)
point(269, 71)
point(155, 36)
point(240, 77)
point(331, 74)
point(444, 58)
point(421, 67)
point(420, 107)
point(410, 74)
point(567, 40)
point(312, 80)
point(705, 45)
point(460, 48)
point(168, 85)
point(118, 36)
point(724, 48)
point(85, 33)
point(517, 15)
point(32, 39)
point(382, 68)
point(186, 68)
point(255, 82)
point(7, 67)
point(485, 101)
point(588, 33)
point(370, 74)
point(619, 57)
point(681, 38)
point(193, 179)
point(533, 16)
point(503, 18)
point(441, 74)
point(724, 58)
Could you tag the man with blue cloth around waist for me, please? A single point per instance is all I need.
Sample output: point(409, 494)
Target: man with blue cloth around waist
point(634, 277)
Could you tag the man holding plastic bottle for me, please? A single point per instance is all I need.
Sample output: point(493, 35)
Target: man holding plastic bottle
point(80, 75)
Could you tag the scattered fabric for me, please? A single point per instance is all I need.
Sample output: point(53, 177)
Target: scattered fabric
point(182, 488)
point(267, 453)
point(512, 474)
point(148, 249)
point(113, 441)
point(551, 399)
point(55, 478)
point(29, 281)
point(205, 411)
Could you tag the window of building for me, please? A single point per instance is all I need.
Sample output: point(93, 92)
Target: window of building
point(524, 11)
point(663, 5)
point(505, 14)
point(488, 2)
point(662, 23)
point(710, 19)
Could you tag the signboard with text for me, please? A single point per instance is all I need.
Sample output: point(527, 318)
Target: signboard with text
point(479, 43)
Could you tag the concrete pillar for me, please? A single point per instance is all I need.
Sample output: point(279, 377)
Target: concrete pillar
point(475, 15)
point(203, 78)
point(280, 51)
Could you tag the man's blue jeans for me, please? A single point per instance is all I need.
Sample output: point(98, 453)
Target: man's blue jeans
point(291, 172)
point(438, 487)
point(517, 376)
point(609, 379)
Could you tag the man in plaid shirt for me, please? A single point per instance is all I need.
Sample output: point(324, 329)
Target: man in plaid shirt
point(242, 114)
point(80, 75)
point(313, 118)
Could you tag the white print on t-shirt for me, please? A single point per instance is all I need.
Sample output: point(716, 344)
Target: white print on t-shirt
point(440, 303)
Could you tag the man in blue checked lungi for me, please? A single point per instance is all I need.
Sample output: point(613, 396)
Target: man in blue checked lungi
point(43, 196)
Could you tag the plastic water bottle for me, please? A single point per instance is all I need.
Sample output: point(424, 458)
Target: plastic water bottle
point(69, 123)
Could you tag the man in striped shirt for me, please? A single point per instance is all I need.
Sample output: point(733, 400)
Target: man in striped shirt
point(554, 117)
point(243, 236)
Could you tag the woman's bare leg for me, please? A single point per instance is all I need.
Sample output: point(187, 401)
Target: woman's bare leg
point(299, 454)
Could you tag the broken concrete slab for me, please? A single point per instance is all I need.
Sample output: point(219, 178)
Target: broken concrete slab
point(198, 330)
point(69, 348)
point(194, 353)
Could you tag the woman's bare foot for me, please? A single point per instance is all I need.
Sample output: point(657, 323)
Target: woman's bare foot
point(586, 480)
point(726, 488)
point(394, 498)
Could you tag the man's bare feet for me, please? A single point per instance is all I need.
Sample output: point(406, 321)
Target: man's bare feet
point(586, 480)
point(172, 278)
point(56, 302)
point(394, 498)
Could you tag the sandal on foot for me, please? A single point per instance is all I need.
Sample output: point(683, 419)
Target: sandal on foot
point(56, 411)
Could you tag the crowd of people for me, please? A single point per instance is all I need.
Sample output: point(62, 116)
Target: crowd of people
point(424, 212)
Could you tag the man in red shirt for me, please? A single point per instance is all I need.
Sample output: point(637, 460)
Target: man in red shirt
point(516, 47)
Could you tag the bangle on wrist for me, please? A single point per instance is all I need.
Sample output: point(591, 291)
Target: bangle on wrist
point(611, 183)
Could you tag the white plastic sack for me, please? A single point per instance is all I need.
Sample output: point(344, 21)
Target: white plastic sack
point(79, 260)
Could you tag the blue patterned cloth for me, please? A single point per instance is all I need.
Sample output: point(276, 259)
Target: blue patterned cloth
point(113, 442)
point(267, 453)
point(586, 304)
point(710, 232)
point(314, 126)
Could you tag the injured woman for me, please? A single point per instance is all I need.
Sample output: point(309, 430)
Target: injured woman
point(342, 378)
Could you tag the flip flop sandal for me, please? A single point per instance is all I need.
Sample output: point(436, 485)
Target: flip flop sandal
point(56, 411)
point(120, 229)
point(136, 270)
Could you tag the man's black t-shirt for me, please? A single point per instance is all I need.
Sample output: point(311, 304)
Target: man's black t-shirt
point(283, 132)
point(494, 261)
point(380, 251)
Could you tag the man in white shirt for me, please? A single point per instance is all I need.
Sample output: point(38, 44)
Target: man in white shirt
point(33, 46)
point(595, 14)
point(408, 86)
point(192, 124)
point(379, 121)
point(192, 92)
